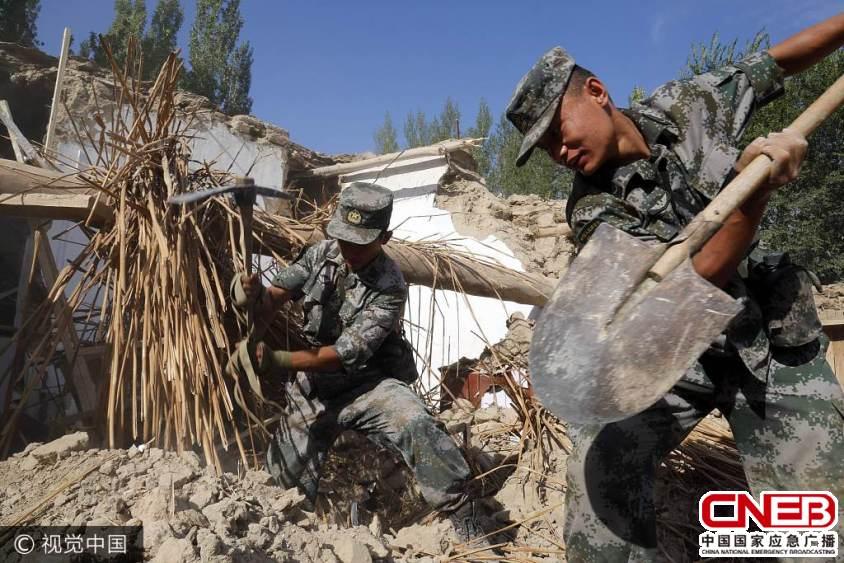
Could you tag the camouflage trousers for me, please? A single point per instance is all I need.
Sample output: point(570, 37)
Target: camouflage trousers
point(387, 411)
point(789, 431)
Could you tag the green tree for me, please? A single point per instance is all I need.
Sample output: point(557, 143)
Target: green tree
point(704, 58)
point(386, 138)
point(637, 95)
point(481, 128)
point(130, 18)
point(18, 21)
point(160, 39)
point(237, 80)
point(420, 132)
point(221, 69)
point(90, 49)
point(806, 218)
point(414, 126)
point(496, 158)
point(448, 123)
point(483, 121)
point(540, 175)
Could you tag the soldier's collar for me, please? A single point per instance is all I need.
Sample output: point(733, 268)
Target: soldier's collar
point(370, 273)
point(655, 127)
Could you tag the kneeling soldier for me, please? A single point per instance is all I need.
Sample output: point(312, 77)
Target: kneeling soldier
point(356, 375)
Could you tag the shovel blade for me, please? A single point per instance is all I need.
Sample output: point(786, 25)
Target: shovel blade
point(590, 364)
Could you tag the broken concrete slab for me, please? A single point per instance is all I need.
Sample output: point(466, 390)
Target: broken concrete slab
point(50, 451)
point(349, 550)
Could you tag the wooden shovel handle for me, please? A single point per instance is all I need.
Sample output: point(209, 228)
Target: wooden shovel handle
point(742, 187)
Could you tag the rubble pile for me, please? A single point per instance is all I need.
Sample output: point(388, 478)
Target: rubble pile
point(189, 513)
point(831, 299)
point(528, 224)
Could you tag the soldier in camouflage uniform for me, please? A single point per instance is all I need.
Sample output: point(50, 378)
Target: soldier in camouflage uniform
point(648, 171)
point(356, 375)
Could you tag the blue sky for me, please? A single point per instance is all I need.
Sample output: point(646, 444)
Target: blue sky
point(328, 71)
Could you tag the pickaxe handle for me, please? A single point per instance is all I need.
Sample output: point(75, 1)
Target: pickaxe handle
point(708, 221)
point(245, 198)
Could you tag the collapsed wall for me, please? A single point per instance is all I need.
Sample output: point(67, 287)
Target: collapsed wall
point(533, 228)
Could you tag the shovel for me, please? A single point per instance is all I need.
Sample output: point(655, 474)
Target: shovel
point(628, 319)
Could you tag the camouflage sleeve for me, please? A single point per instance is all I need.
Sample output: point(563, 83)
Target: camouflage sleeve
point(722, 101)
point(297, 273)
point(747, 86)
point(360, 340)
point(712, 110)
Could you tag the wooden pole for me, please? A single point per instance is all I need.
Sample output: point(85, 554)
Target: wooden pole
point(50, 141)
point(386, 159)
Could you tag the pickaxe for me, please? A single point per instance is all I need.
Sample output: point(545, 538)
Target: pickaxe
point(245, 192)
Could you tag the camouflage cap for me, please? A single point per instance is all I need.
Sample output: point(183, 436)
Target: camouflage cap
point(537, 97)
point(362, 213)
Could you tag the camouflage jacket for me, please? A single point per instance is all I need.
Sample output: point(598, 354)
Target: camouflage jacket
point(692, 127)
point(357, 312)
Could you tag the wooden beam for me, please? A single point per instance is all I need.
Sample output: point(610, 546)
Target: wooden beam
point(457, 273)
point(30, 191)
point(24, 151)
point(69, 207)
point(387, 159)
point(418, 267)
point(79, 378)
point(16, 177)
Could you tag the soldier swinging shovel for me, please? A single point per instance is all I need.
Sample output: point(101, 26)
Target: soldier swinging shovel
point(585, 365)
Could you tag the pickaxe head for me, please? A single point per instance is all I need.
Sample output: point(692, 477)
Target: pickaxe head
point(244, 191)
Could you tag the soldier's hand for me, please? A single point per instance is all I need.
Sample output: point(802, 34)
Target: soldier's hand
point(786, 149)
point(252, 286)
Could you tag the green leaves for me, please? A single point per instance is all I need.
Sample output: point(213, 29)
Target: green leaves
point(806, 218)
point(419, 132)
point(540, 175)
point(386, 140)
point(130, 19)
point(221, 69)
point(17, 21)
point(705, 58)
point(160, 39)
point(496, 158)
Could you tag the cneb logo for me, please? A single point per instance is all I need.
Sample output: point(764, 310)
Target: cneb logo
point(780, 510)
